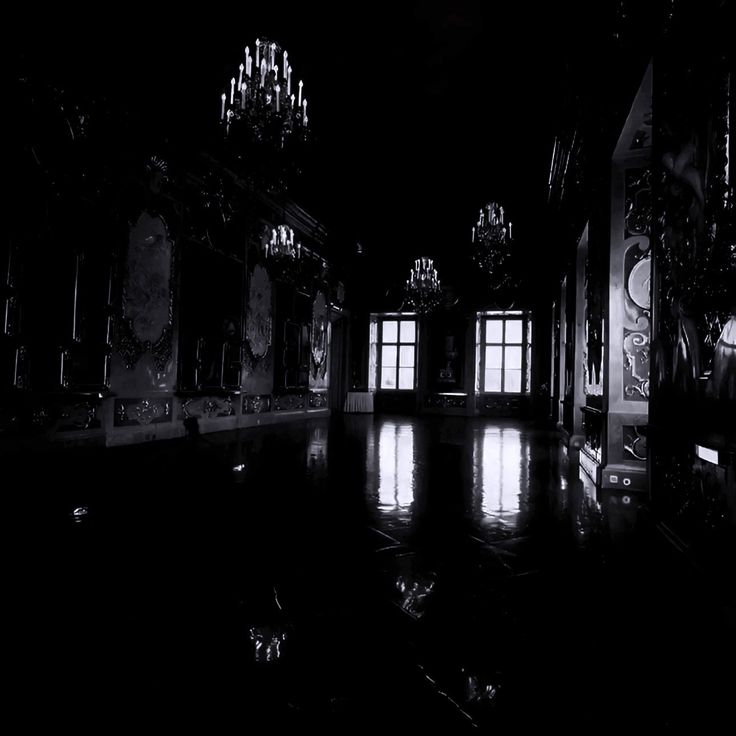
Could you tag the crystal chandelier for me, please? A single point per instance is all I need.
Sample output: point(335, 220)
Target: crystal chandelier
point(278, 243)
point(423, 291)
point(492, 243)
point(263, 100)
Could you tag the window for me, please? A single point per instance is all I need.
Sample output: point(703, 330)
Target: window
point(395, 341)
point(504, 346)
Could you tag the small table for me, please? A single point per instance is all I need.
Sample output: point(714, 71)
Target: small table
point(359, 401)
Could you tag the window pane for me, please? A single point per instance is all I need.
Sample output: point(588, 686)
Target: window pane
point(406, 356)
point(493, 380)
point(513, 331)
point(390, 331)
point(388, 355)
point(406, 378)
point(512, 381)
point(408, 331)
point(388, 378)
point(494, 330)
point(493, 357)
point(513, 357)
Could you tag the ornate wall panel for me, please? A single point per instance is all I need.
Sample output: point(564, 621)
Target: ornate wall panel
point(259, 313)
point(146, 318)
point(637, 272)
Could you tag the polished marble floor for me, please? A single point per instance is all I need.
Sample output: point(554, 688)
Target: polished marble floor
point(354, 573)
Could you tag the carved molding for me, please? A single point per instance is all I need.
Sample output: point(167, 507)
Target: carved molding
point(162, 349)
point(135, 412)
point(77, 417)
point(634, 443)
point(256, 403)
point(317, 400)
point(208, 407)
point(289, 402)
point(442, 401)
point(21, 367)
point(127, 346)
point(63, 415)
point(499, 403)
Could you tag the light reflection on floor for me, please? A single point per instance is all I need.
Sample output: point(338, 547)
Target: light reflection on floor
point(497, 455)
point(395, 451)
point(317, 450)
point(319, 554)
point(500, 472)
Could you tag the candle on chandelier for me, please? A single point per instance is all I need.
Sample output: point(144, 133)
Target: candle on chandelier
point(222, 111)
point(243, 95)
point(286, 62)
point(278, 90)
point(258, 54)
point(288, 81)
point(292, 102)
point(509, 231)
point(473, 238)
point(500, 209)
point(263, 72)
point(300, 92)
point(232, 90)
point(240, 77)
point(273, 54)
point(276, 73)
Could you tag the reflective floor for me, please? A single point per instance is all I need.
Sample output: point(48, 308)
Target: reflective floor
point(355, 573)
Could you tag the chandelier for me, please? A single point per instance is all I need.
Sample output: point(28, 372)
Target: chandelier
point(264, 102)
point(423, 291)
point(278, 243)
point(492, 243)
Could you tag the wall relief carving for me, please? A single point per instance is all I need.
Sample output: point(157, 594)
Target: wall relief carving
point(259, 317)
point(320, 322)
point(147, 304)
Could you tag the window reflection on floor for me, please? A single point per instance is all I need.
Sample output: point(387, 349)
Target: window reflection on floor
point(317, 450)
point(395, 466)
point(500, 472)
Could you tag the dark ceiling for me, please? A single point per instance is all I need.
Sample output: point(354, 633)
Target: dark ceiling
point(421, 111)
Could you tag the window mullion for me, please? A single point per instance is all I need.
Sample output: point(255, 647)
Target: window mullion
point(503, 356)
point(524, 387)
point(398, 357)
